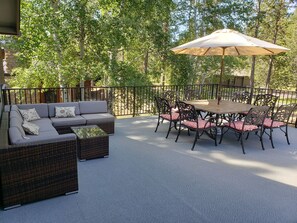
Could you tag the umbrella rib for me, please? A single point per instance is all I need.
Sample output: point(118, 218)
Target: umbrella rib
point(237, 51)
point(268, 50)
point(206, 51)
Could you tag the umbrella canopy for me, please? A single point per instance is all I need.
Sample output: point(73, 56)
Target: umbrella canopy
point(230, 43)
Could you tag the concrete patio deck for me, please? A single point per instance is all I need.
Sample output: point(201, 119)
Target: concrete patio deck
point(148, 178)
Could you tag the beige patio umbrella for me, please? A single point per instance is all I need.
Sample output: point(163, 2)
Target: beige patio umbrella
point(228, 42)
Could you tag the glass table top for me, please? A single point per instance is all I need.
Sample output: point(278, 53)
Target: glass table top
point(89, 131)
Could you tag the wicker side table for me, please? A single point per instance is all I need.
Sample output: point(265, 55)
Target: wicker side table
point(92, 142)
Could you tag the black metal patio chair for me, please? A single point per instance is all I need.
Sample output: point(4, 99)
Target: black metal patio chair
point(241, 96)
point(190, 119)
point(279, 120)
point(166, 112)
point(266, 100)
point(171, 96)
point(252, 122)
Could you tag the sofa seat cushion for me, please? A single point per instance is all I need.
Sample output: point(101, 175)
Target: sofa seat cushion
point(71, 121)
point(43, 137)
point(93, 119)
point(91, 107)
point(45, 125)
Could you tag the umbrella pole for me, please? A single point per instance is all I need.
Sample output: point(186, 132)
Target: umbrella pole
point(221, 76)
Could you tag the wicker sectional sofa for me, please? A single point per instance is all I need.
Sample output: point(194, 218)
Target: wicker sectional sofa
point(37, 167)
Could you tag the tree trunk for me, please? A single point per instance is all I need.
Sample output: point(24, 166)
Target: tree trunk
point(145, 64)
point(55, 5)
point(252, 78)
point(276, 31)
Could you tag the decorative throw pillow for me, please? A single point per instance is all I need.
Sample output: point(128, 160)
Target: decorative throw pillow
point(30, 128)
point(65, 112)
point(29, 114)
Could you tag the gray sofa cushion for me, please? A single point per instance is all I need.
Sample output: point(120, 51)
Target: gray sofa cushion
point(15, 136)
point(52, 107)
point(89, 107)
point(42, 109)
point(45, 137)
point(93, 119)
point(45, 125)
point(16, 114)
point(16, 122)
point(71, 121)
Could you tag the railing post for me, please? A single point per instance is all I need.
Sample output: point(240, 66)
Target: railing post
point(212, 90)
point(134, 100)
point(4, 92)
point(81, 91)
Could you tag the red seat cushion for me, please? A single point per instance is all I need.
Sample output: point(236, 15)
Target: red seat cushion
point(239, 124)
point(202, 124)
point(275, 124)
point(174, 116)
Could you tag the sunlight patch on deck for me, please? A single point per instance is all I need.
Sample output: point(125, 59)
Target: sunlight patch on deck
point(281, 174)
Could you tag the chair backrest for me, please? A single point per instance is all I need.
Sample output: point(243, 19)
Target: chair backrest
point(191, 94)
point(163, 105)
point(266, 100)
point(256, 116)
point(284, 112)
point(187, 111)
point(242, 97)
point(172, 97)
point(158, 101)
point(166, 107)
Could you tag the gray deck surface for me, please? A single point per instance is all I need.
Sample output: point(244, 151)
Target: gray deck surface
point(148, 178)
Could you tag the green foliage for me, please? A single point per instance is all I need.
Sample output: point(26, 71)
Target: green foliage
point(115, 42)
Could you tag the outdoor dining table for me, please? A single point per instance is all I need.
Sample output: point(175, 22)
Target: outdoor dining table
point(225, 107)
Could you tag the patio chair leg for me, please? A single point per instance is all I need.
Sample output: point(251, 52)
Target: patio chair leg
point(169, 129)
point(178, 133)
point(157, 124)
point(215, 135)
point(222, 134)
point(287, 135)
point(261, 139)
point(271, 139)
point(195, 140)
point(239, 136)
point(241, 142)
point(247, 136)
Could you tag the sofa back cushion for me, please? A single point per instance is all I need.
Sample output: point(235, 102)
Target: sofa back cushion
point(16, 114)
point(16, 122)
point(92, 107)
point(41, 109)
point(52, 107)
point(15, 135)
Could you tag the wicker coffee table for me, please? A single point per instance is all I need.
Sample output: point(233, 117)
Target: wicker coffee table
point(92, 142)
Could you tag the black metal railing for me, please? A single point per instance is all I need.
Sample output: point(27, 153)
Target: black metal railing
point(133, 100)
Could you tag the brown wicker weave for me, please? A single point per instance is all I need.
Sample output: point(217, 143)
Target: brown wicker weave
point(107, 127)
point(95, 146)
point(35, 172)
